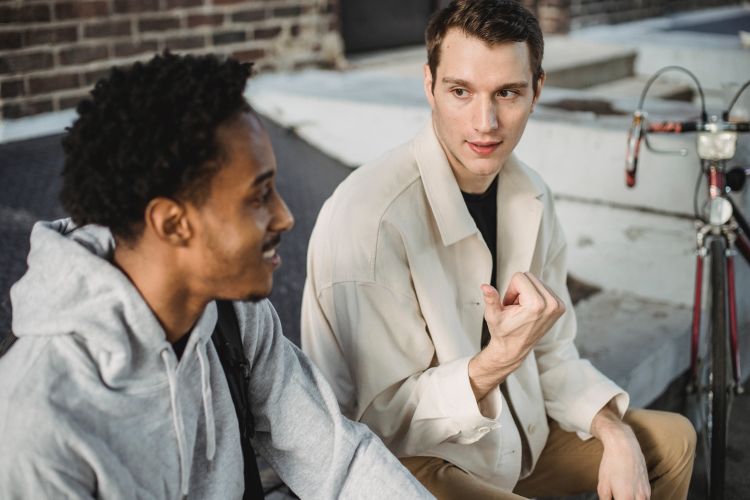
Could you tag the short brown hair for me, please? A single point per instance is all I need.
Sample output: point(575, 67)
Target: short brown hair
point(492, 21)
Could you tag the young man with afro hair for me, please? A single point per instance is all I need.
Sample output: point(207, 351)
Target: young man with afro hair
point(114, 388)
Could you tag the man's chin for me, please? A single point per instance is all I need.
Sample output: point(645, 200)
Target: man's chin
point(254, 297)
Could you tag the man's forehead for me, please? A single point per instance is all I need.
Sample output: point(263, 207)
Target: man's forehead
point(471, 59)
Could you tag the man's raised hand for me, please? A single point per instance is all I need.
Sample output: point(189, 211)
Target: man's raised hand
point(526, 312)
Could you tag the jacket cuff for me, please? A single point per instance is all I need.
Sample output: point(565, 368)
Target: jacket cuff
point(592, 401)
point(473, 419)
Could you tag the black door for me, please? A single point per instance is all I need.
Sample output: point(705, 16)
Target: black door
point(383, 24)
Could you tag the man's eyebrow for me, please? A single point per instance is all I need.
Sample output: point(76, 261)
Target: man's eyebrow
point(263, 177)
point(463, 83)
point(455, 81)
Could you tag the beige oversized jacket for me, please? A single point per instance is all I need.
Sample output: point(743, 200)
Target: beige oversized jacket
point(392, 312)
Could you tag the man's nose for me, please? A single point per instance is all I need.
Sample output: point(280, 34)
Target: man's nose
point(485, 119)
point(283, 220)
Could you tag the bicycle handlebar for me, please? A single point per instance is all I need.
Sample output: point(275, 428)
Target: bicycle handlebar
point(639, 128)
point(685, 127)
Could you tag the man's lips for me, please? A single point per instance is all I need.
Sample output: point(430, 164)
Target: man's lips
point(269, 251)
point(483, 148)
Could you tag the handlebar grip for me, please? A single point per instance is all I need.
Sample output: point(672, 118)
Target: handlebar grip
point(635, 135)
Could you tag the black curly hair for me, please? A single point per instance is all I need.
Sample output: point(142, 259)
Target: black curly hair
point(148, 131)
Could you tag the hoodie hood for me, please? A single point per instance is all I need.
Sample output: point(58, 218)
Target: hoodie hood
point(72, 288)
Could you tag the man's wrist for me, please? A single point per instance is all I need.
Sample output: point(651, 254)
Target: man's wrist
point(607, 425)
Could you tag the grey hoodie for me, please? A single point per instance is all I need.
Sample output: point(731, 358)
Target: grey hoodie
point(94, 403)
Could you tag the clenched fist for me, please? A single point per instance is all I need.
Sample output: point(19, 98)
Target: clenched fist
point(526, 312)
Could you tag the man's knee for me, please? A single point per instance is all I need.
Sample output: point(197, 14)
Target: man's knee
point(664, 437)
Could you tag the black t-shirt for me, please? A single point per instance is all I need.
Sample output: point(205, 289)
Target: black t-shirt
point(483, 209)
point(179, 346)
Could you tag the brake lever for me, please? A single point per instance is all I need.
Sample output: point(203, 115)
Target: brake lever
point(635, 134)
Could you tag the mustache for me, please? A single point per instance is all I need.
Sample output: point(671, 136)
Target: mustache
point(275, 241)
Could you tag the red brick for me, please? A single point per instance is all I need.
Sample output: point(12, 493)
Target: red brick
point(8, 15)
point(245, 16)
point(205, 20)
point(158, 24)
point(266, 33)
point(171, 4)
point(23, 63)
point(287, 11)
point(26, 108)
point(185, 43)
point(92, 77)
point(38, 36)
point(249, 55)
point(228, 37)
point(107, 29)
point(11, 40)
point(34, 14)
point(72, 101)
point(11, 88)
point(47, 84)
point(127, 49)
point(82, 55)
point(81, 9)
point(130, 6)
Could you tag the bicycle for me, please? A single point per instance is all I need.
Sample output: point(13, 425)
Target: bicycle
point(721, 230)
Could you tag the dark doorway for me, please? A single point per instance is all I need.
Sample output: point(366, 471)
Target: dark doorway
point(367, 25)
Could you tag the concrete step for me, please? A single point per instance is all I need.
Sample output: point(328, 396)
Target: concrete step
point(575, 65)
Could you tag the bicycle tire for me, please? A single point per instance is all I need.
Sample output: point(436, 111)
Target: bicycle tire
point(718, 369)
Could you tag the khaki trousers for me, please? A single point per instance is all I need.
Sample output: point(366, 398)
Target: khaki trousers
point(570, 466)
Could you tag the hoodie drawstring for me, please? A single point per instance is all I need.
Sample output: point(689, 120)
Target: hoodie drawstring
point(177, 421)
point(208, 407)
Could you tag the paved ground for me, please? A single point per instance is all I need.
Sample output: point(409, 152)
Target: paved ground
point(29, 181)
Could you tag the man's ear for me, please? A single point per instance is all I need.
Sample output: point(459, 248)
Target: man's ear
point(428, 91)
point(167, 219)
point(538, 91)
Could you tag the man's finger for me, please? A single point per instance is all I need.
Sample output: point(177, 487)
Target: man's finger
point(519, 286)
point(549, 296)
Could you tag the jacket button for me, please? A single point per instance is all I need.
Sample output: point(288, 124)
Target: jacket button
point(483, 429)
point(531, 428)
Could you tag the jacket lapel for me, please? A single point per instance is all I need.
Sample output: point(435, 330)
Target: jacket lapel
point(519, 212)
point(453, 219)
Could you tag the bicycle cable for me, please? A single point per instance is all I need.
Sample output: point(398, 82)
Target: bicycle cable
point(704, 116)
point(726, 113)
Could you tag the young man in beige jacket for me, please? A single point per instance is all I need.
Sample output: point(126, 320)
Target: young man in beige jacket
point(481, 394)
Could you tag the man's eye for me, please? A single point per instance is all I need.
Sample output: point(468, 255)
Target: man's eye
point(505, 93)
point(459, 92)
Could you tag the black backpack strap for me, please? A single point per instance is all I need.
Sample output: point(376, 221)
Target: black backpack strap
point(7, 341)
point(228, 343)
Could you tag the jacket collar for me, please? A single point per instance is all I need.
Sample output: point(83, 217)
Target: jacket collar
point(518, 205)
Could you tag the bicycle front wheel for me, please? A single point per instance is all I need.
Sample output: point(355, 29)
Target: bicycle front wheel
point(717, 421)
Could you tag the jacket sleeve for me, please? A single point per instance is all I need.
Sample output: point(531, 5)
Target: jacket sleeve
point(23, 475)
point(300, 430)
point(411, 403)
point(574, 390)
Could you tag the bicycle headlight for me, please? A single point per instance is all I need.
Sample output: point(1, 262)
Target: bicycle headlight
point(716, 145)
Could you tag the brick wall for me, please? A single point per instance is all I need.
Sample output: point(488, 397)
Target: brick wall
point(51, 52)
point(560, 16)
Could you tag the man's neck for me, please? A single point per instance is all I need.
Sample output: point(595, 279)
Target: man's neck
point(162, 288)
